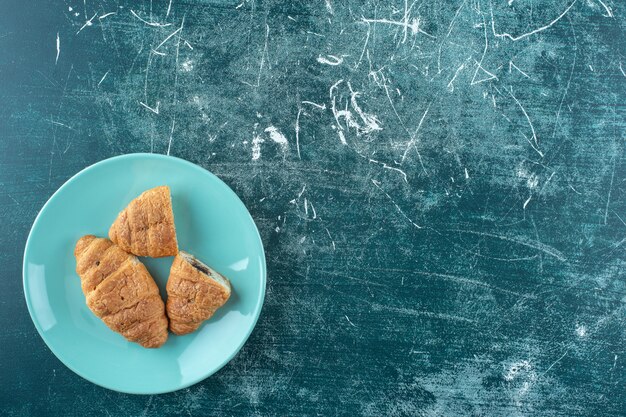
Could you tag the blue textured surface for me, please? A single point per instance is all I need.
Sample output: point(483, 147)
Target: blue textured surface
point(439, 186)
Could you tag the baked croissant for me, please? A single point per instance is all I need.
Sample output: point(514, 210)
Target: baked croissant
point(194, 293)
point(120, 291)
point(146, 226)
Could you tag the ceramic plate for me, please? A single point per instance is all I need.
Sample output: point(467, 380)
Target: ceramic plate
point(211, 223)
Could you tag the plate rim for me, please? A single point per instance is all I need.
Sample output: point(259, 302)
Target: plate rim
point(258, 306)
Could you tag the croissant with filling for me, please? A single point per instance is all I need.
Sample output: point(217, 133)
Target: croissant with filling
point(194, 292)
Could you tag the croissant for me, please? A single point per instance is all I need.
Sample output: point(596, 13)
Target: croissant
point(120, 291)
point(194, 293)
point(146, 226)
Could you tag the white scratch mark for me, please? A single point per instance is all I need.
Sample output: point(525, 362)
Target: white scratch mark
point(394, 203)
point(556, 361)
point(297, 129)
point(524, 35)
point(352, 324)
point(175, 100)
point(168, 38)
point(154, 24)
point(319, 106)
point(87, 23)
point(60, 124)
point(414, 138)
point(104, 16)
point(454, 18)
point(342, 138)
point(169, 145)
point(526, 202)
point(370, 121)
point(620, 219)
point(569, 80)
point(58, 49)
point(460, 279)
point(331, 60)
point(302, 192)
point(313, 208)
point(332, 97)
point(520, 241)
point(418, 313)
point(466, 174)
point(169, 7)
point(331, 238)
point(573, 189)
point(306, 207)
point(450, 85)
point(609, 12)
point(535, 146)
point(154, 110)
point(145, 81)
point(512, 65)
point(367, 39)
point(385, 166)
point(608, 198)
point(17, 203)
point(545, 184)
point(103, 77)
point(262, 63)
point(622, 69)
point(144, 413)
point(491, 76)
point(405, 24)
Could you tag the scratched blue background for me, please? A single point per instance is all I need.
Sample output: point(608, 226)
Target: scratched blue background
point(440, 187)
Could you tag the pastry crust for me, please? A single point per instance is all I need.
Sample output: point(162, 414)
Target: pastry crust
point(119, 290)
point(146, 226)
point(194, 293)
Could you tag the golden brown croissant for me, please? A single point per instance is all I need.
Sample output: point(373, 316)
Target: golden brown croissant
point(120, 291)
point(194, 293)
point(146, 226)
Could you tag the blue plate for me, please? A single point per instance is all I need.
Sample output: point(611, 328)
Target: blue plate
point(211, 223)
